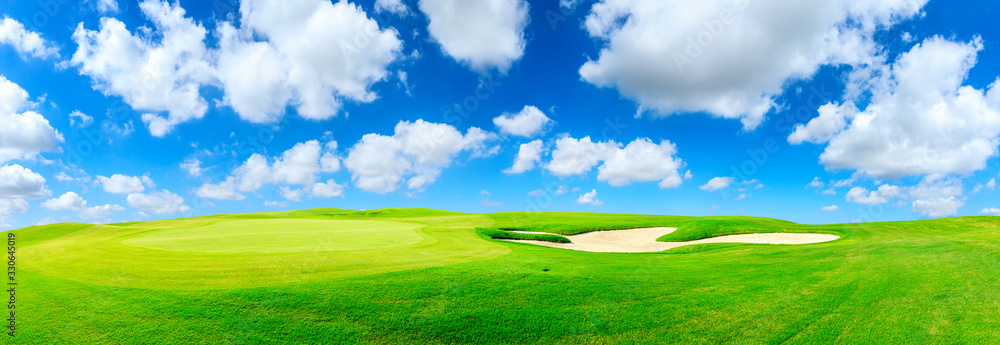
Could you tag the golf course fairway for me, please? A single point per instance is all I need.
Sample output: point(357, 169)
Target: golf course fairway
point(421, 276)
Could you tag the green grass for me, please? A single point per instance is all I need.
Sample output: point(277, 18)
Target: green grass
point(281, 278)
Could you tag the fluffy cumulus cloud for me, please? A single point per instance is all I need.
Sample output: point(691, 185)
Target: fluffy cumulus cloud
point(729, 58)
point(992, 211)
point(24, 133)
point(717, 184)
point(300, 165)
point(529, 122)
point(529, 154)
point(17, 182)
point(24, 41)
point(160, 70)
point(830, 208)
point(486, 35)
point(100, 213)
point(346, 53)
point(924, 122)
point(640, 161)
point(416, 153)
point(589, 198)
point(121, 184)
point(67, 201)
point(163, 202)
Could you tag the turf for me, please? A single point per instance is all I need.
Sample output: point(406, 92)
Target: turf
point(292, 282)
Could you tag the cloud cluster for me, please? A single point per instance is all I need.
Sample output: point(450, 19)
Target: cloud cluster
point(17, 182)
point(933, 197)
point(122, 184)
point(641, 160)
point(486, 34)
point(729, 58)
point(300, 165)
point(924, 122)
point(163, 202)
point(24, 133)
point(345, 53)
point(164, 76)
point(163, 69)
point(416, 152)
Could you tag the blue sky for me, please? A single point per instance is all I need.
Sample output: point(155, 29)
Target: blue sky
point(819, 112)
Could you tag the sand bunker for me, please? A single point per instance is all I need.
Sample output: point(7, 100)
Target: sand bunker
point(644, 240)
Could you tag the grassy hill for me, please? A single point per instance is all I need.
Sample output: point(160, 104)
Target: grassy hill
point(436, 277)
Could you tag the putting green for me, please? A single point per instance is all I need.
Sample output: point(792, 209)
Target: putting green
point(256, 250)
point(282, 236)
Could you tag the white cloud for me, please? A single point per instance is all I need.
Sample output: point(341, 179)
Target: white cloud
point(163, 202)
point(107, 6)
point(155, 77)
point(563, 189)
point(937, 198)
point(639, 161)
point(537, 192)
point(79, 119)
point(330, 189)
point(24, 133)
point(193, 167)
point(717, 184)
point(102, 212)
point(816, 183)
point(589, 198)
point(729, 58)
point(577, 156)
point(883, 194)
point(529, 122)
point(346, 54)
point(830, 208)
point(291, 194)
point(487, 34)
point(225, 190)
point(392, 6)
point(299, 165)
point(529, 154)
point(17, 182)
point(991, 185)
point(485, 193)
point(925, 122)
point(10, 206)
point(25, 42)
point(121, 184)
point(281, 204)
point(67, 201)
point(939, 207)
point(642, 161)
point(993, 211)
point(417, 152)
